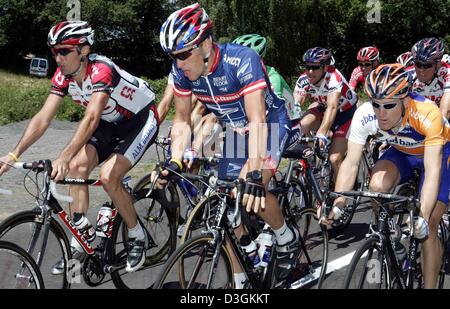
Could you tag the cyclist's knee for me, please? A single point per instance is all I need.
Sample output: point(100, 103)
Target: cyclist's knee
point(79, 168)
point(380, 183)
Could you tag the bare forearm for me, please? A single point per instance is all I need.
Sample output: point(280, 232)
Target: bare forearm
point(35, 129)
point(345, 180)
point(430, 191)
point(181, 137)
point(328, 119)
point(257, 144)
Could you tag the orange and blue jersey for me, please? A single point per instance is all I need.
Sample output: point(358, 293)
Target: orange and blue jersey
point(422, 125)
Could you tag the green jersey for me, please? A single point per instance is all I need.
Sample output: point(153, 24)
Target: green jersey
point(282, 89)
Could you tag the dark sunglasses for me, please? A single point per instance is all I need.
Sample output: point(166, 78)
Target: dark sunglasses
point(421, 65)
point(313, 67)
point(365, 64)
point(62, 51)
point(385, 106)
point(183, 55)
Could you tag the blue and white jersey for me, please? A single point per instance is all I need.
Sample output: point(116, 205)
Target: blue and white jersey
point(236, 72)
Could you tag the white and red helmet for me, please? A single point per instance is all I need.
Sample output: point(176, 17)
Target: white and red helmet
point(369, 53)
point(406, 59)
point(186, 27)
point(71, 33)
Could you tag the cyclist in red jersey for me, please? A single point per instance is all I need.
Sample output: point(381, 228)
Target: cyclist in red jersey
point(368, 59)
point(119, 124)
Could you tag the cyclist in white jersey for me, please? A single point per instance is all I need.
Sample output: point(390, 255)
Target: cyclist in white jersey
point(334, 103)
point(431, 75)
point(119, 124)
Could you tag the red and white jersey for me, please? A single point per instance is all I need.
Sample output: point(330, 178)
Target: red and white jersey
point(331, 82)
point(436, 88)
point(357, 78)
point(127, 94)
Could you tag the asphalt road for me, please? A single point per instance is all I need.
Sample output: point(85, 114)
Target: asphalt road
point(341, 246)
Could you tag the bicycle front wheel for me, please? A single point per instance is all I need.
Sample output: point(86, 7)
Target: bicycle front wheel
point(195, 266)
point(313, 257)
point(368, 268)
point(18, 270)
point(26, 229)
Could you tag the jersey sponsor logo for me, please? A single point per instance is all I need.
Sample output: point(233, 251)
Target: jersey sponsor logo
point(220, 81)
point(59, 78)
point(127, 93)
point(234, 168)
point(426, 122)
point(366, 119)
point(144, 140)
point(232, 60)
point(196, 83)
point(221, 112)
point(246, 78)
point(245, 69)
point(404, 142)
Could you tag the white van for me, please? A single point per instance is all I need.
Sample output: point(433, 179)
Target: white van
point(39, 67)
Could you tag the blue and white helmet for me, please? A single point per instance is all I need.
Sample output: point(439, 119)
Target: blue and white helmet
point(318, 55)
point(428, 50)
point(186, 27)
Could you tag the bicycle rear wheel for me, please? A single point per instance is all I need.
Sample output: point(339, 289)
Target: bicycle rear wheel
point(191, 266)
point(26, 230)
point(161, 224)
point(18, 270)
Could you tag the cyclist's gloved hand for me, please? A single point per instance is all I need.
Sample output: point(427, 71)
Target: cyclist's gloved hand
point(323, 140)
point(189, 157)
point(254, 192)
point(162, 177)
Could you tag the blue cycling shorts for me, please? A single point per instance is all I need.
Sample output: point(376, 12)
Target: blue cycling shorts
point(406, 163)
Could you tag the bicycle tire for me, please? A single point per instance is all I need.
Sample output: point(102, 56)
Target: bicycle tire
point(18, 258)
point(314, 254)
point(178, 266)
point(149, 211)
point(380, 271)
point(197, 217)
point(27, 220)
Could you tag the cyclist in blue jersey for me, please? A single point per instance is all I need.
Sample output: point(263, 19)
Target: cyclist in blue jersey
point(230, 81)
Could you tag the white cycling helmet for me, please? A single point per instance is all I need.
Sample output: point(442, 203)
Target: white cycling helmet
point(71, 33)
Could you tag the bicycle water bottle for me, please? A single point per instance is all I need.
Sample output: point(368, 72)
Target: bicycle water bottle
point(103, 220)
point(83, 225)
point(249, 246)
point(265, 241)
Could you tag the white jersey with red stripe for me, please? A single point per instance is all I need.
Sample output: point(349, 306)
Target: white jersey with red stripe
point(128, 94)
point(331, 82)
point(236, 72)
point(435, 89)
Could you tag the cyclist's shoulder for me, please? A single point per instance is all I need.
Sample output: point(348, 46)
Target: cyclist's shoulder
point(357, 71)
point(59, 80)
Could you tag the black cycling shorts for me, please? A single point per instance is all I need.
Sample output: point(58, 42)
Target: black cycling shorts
point(130, 138)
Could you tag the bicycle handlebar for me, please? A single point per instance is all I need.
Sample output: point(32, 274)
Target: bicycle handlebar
point(40, 166)
point(370, 194)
